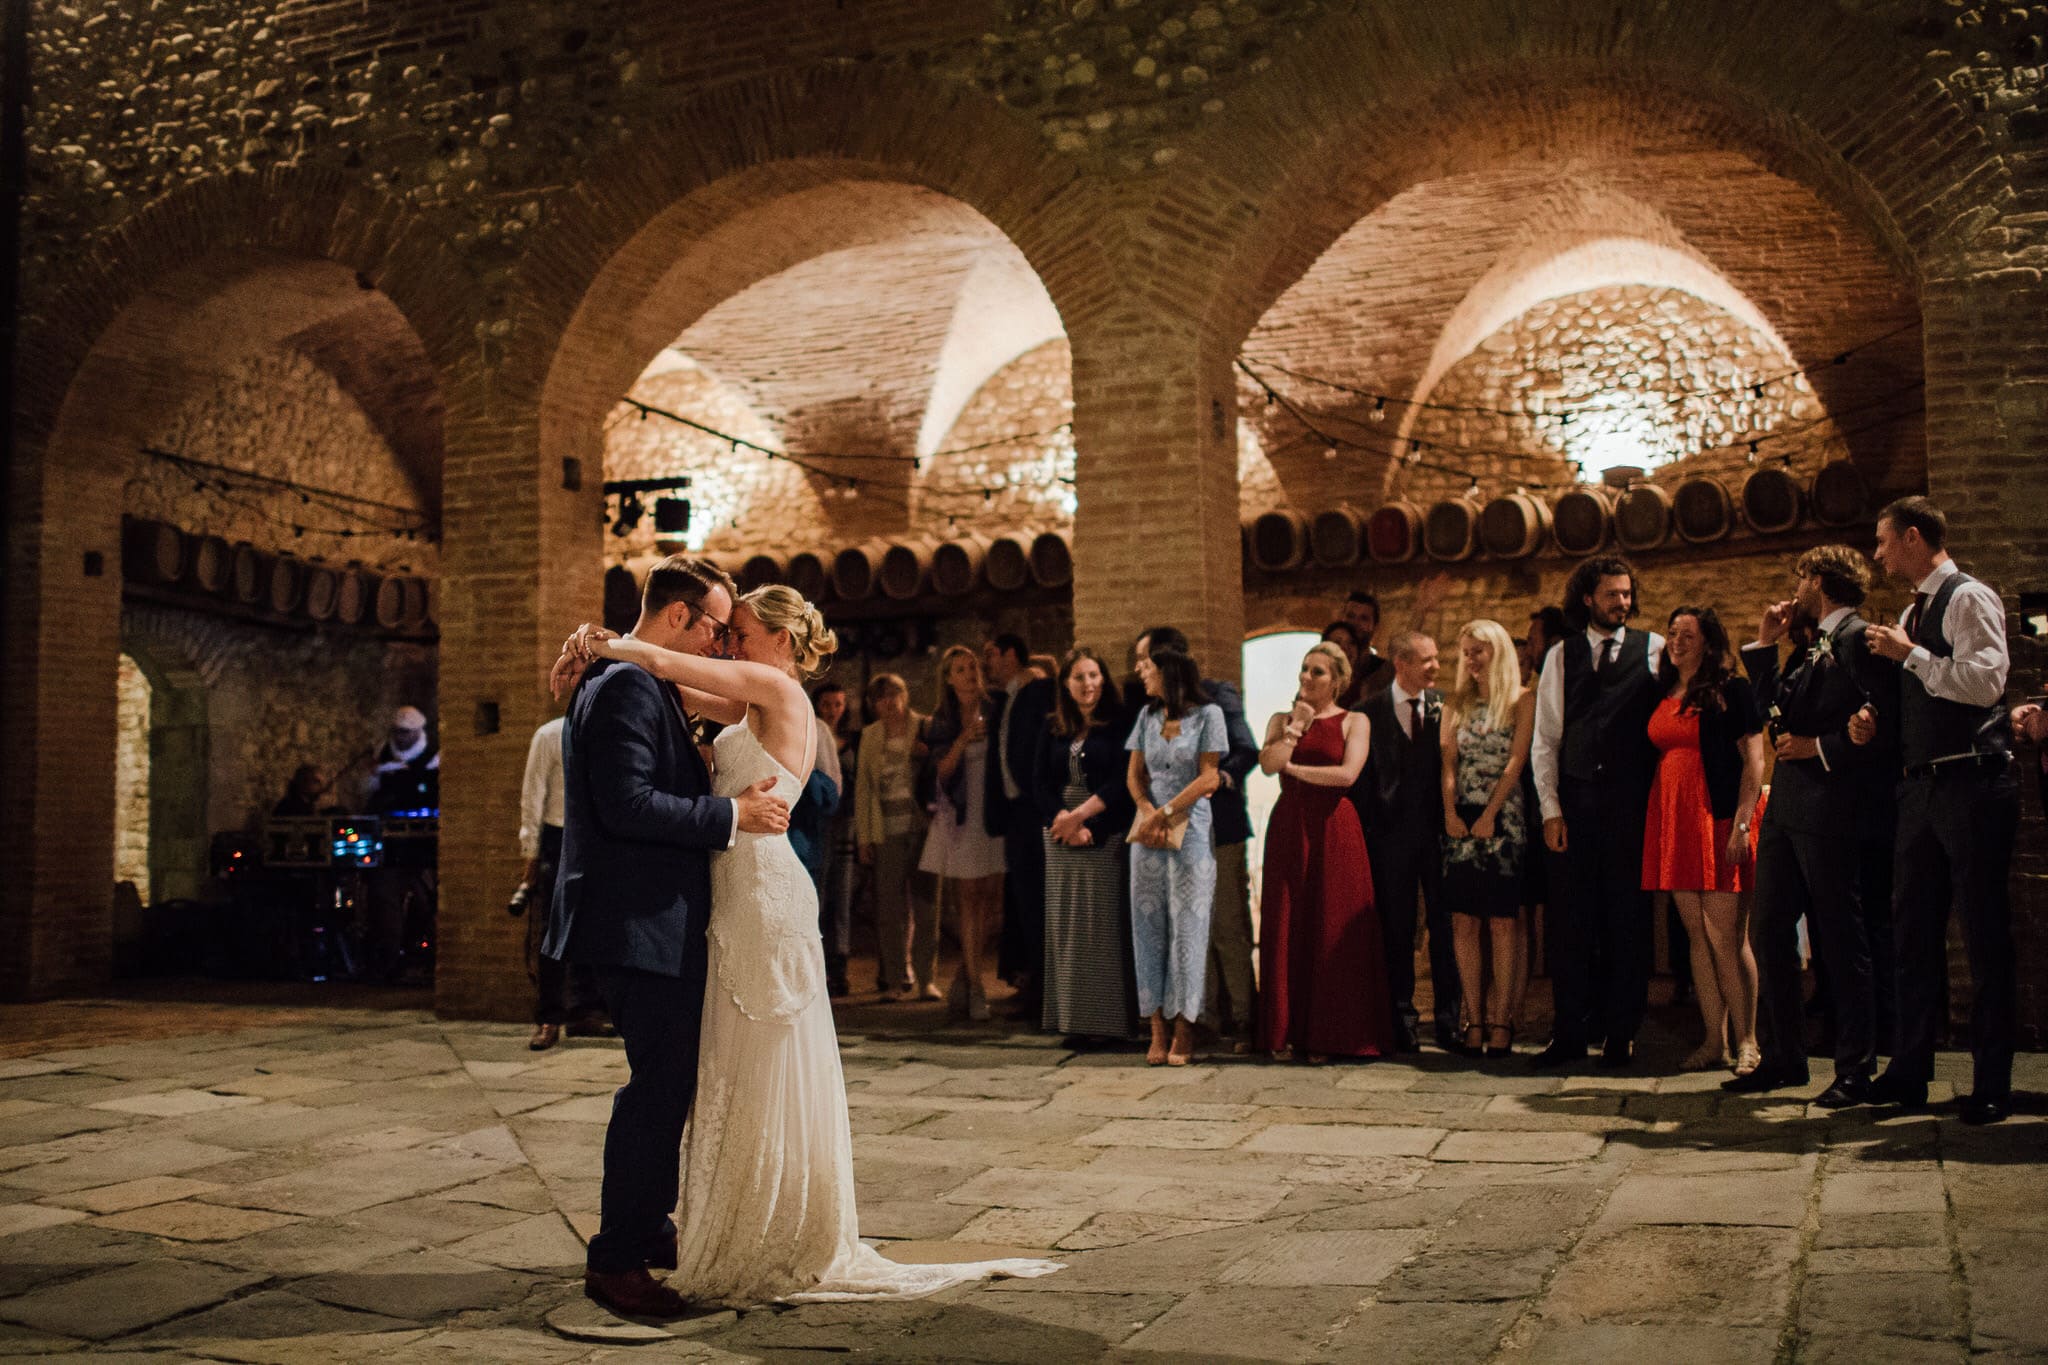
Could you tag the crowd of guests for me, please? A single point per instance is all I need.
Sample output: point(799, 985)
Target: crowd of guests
point(1564, 778)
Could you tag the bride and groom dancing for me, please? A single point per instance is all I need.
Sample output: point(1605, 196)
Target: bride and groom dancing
point(678, 885)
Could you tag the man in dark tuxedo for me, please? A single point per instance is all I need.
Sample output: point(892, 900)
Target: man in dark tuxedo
point(1807, 853)
point(1019, 708)
point(1959, 809)
point(632, 900)
point(1230, 1003)
point(1399, 800)
point(1594, 767)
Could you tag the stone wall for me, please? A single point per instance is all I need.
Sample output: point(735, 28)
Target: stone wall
point(131, 779)
point(281, 415)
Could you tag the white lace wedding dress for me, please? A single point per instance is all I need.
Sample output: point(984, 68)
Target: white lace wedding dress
point(767, 1206)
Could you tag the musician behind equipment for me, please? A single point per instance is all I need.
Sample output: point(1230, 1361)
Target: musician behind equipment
point(405, 781)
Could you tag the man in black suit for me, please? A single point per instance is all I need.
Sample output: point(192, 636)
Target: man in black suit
point(632, 900)
point(1808, 850)
point(1399, 800)
point(1230, 1003)
point(1019, 708)
point(1594, 767)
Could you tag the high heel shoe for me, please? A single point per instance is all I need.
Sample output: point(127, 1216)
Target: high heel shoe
point(1472, 1041)
point(1747, 1059)
point(1183, 1049)
point(1504, 1049)
point(1156, 1054)
point(977, 1003)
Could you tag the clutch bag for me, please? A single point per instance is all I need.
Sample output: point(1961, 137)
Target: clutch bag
point(1176, 830)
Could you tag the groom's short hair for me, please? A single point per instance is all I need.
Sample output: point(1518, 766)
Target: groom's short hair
point(681, 578)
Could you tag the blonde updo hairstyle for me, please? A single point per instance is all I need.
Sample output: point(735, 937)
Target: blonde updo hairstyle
point(811, 641)
point(1340, 663)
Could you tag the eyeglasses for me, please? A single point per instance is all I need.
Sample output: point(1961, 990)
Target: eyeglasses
point(721, 631)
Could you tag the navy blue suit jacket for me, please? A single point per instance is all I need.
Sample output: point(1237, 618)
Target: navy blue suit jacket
point(639, 825)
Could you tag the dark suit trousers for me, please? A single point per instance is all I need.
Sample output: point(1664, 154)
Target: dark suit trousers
point(1407, 862)
point(659, 1018)
point(1601, 934)
point(1021, 951)
point(1955, 847)
point(1805, 872)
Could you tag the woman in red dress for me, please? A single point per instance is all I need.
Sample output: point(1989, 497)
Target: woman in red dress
point(1322, 970)
point(1710, 768)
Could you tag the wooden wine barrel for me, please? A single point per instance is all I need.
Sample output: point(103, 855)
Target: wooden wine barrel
point(1450, 532)
point(152, 551)
point(287, 583)
point(323, 591)
point(1336, 538)
point(387, 605)
point(1279, 540)
point(905, 567)
point(1703, 511)
point(1642, 517)
point(1840, 493)
point(758, 571)
point(1581, 519)
point(807, 573)
point(213, 566)
point(419, 603)
point(1052, 560)
point(621, 599)
point(353, 590)
point(854, 570)
point(1771, 500)
point(1513, 525)
point(249, 575)
point(1008, 564)
point(1393, 534)
point(956, 565)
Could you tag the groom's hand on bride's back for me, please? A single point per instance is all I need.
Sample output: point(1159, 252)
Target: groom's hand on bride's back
point(759, 812)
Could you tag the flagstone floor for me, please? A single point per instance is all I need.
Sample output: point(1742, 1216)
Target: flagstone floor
point(343, 1185)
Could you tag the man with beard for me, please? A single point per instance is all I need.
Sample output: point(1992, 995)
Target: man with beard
point(1594, 767)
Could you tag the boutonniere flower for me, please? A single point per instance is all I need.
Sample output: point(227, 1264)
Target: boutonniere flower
point(1432, 710)
point(1824, 647)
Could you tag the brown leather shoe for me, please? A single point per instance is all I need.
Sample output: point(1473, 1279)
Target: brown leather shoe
point(544, 1037)
point(633, 1294)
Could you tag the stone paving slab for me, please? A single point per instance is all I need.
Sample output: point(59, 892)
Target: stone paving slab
point(122, 1300)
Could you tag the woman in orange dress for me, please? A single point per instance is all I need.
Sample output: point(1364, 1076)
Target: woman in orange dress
point(1710, 768)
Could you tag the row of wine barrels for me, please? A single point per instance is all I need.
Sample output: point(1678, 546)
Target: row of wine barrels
point(161, 555)
point(905, 570)
point(1580, 522)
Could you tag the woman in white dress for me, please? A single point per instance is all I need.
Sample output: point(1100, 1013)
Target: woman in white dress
point(767, 1206)
point(958, 849)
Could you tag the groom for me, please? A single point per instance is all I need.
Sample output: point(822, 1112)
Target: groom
point(633, 900)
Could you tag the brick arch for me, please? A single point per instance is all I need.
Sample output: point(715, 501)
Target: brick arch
point(218, 270)
point(211, 229)
point(637, 210)
point(1813, 94)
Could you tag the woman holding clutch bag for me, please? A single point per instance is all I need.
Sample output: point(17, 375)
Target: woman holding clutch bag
point(1322, 967)
point(1175, 748)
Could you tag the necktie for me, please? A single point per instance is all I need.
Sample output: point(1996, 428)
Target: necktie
point(1414, 717)
point(1913, 616)
point(1607, 652)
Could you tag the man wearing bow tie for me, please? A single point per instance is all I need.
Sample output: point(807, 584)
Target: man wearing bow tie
point(1823, 791)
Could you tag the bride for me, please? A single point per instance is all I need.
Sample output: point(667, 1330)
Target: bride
point(767, 1204)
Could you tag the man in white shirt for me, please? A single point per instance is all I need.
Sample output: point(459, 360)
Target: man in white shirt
point(1958, 809)
point(1594, 766)
point(565, 995)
